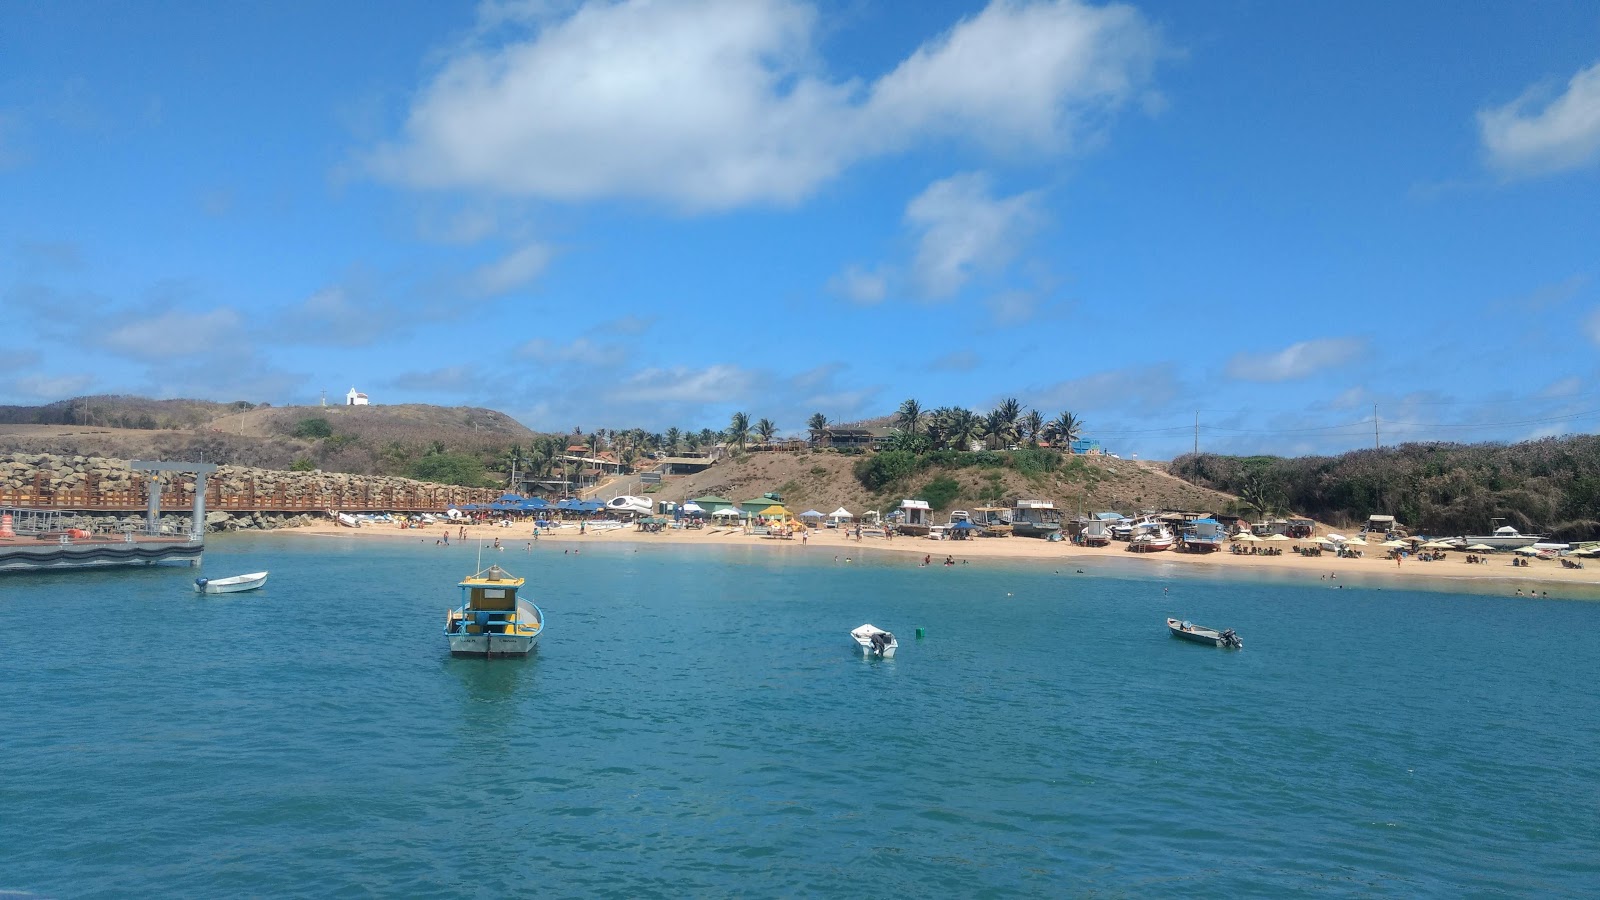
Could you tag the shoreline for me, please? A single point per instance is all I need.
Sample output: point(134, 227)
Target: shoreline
point(1450, 574)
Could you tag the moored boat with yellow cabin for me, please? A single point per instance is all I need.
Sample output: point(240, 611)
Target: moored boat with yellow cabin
point(491, 620)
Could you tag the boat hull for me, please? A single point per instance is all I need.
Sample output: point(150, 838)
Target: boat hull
point(91, 554)
point(863, 637)
point(1503, 542)
point(1198, 634)
point(491, 646)
point(235, 585)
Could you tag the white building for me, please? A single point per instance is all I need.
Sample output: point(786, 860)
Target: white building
point(355, 398)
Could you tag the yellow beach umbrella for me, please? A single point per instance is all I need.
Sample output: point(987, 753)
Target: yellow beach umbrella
point(1395, 544)
point(1280, 537)
point(1356, 542)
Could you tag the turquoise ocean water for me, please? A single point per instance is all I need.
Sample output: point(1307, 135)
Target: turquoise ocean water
point(696, 722)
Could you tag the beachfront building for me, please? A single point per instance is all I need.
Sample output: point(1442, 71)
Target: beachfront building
point(355, 398)
point(713, 504)
point(857, 438)
point(761, 504)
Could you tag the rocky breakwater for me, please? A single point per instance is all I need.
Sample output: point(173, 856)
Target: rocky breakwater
point(238, 497)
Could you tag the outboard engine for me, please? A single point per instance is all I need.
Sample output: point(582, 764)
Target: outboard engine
point(201, 582)
point(1229, 639)
point(880, 641)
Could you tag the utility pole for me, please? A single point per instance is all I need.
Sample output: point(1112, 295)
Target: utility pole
point(1197, 433)
point(1376, 444)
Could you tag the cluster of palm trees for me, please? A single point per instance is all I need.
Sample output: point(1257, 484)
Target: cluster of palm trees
point(945, 428)
point(958, 428)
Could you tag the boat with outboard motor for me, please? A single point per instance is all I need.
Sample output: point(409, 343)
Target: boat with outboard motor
point(230, 585)
point(874, 641)
point(1199, 634)
point(491, 620)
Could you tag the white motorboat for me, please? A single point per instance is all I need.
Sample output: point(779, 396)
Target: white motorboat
point(640, 506)
point(1505, 538)
point(347, 520)
point(1151, 540)
point(230, 585)
point(492, 621)
point(874, 641)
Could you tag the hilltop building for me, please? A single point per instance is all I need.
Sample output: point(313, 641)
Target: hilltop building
point(355, 398)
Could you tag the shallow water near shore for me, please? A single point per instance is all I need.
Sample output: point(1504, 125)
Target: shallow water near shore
point(697, 722)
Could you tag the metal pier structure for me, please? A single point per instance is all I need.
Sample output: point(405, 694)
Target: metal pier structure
point(34, 539)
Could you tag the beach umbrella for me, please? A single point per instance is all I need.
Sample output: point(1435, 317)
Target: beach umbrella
point(1412, 540)
point(1394, 544)
point(1324, 542)
point(1436, 545)
point(1280, 537)
point(1480, 548)
point(1528, 551)
point(1246, 536)
point(1356, 542)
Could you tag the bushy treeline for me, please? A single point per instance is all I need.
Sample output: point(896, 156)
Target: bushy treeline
point(121, 411)
point(1547, 486)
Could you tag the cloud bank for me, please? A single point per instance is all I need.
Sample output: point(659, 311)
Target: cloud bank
point(716, 104)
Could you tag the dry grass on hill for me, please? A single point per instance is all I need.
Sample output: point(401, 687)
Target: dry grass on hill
point(824, 480)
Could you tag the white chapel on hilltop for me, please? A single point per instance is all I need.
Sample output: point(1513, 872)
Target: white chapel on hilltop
point(355, 398)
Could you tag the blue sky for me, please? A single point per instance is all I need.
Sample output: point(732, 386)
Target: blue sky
point(650, 214)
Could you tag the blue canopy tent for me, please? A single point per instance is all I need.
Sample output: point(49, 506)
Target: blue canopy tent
point(533, 505)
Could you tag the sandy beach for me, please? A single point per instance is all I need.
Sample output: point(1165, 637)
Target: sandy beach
point(1498, 576)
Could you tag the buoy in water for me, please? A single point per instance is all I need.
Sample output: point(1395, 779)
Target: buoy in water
point(920, 634)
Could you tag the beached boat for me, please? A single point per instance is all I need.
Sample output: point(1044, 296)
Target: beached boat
point(1505, 538)
point(1202, 635)
point(1035, 518)
point(230, 585)
point(1152, 540)
point(640, 506)
point(347, 520)
point(491, 620)
point(874, 641)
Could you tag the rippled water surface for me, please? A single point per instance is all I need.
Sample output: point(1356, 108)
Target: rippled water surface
point(696, 722)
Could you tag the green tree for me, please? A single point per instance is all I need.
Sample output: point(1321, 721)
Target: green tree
point(765, 429)
point(313, 428)
point(1033, 426)
point(1064, 429)
point(672, 440)
point(738, 432)
point(817, 426)
point(909, 418)
point(449, 468)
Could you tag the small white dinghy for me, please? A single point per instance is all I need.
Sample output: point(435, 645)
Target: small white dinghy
point(230, 585)
point(875, 641)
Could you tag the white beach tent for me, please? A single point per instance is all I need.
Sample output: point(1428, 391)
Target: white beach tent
point(690, 507)
point(840, 515)
point(728, 512)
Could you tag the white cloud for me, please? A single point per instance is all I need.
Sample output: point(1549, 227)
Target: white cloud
point(719, 383)
point(1563, 135)
point(1593, 325)
point(1294, 361)
point(1139, 391)
point(1011, 307)
point(514, 270)
point(713, 104)
point(1019, 73)
point(173, 333)
point(860, 285)
point(581, 350)
point(49, 387)
point(965, 230)
point(956, 361)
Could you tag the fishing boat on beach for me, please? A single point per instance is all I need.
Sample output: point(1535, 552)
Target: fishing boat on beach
point(491, 620)
point(1035, 518)
point(1199, 634)
point(1152, 539)
point(233, 585)
point(1505, 538)
point(874, 641)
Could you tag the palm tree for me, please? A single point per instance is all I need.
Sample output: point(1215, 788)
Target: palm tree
point(1065, 429)
point(1033, 425)
point(671, 440)
point(909, 417)
point(738, 432)
point(691, 441)
point(964, 428)
point(818, 426)
point(765, 429)
point(514, 458)
point(593, 442)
